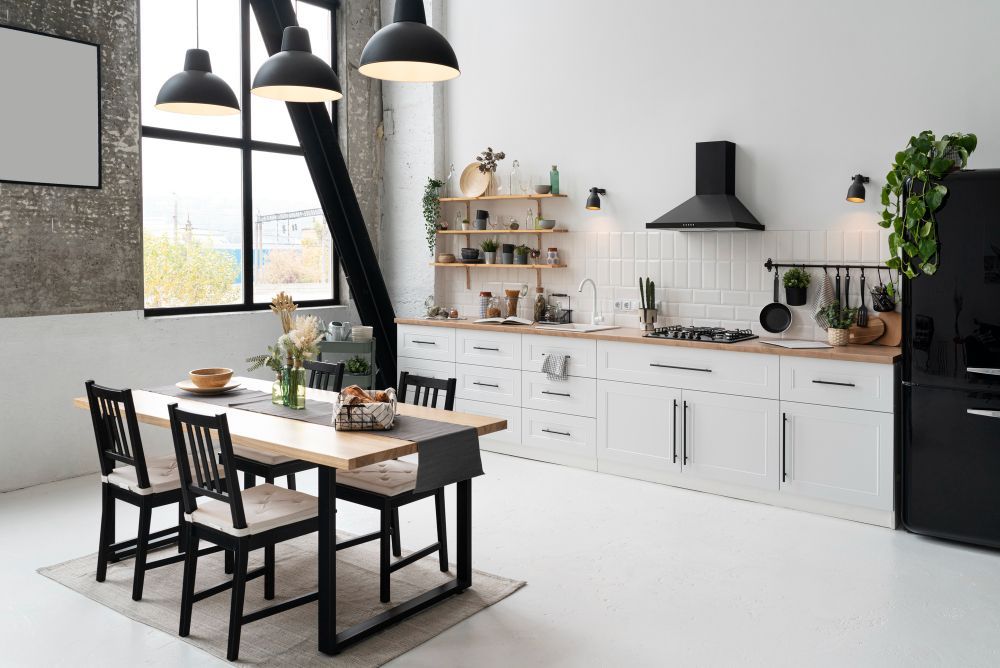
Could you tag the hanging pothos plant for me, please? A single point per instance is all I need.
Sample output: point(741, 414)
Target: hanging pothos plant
point(913, 192)
point(432, 211)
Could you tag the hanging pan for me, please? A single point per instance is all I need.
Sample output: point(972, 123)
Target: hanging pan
point(775, 317)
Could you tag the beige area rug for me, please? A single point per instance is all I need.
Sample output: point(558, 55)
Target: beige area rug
point(288, 638)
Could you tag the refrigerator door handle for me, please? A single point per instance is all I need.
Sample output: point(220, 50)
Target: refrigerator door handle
point(984, 371)
point(984, 413)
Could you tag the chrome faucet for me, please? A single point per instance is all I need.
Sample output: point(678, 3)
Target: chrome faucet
point(596, 318)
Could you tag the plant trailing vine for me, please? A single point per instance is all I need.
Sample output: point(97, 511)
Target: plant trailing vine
point(432, 211)
point(913, 192)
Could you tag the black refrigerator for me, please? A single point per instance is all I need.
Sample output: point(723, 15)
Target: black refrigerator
point(950, 445)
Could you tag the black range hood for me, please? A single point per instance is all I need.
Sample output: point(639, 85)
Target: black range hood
point(714, 206)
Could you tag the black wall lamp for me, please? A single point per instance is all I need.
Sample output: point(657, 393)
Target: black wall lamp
point(594, 200)
point(856, 193)
point(408, 49)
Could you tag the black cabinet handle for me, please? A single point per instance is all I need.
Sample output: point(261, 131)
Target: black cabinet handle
point(561, 433)
point(485, 384)
point(685, 461)
point(430, 343)
point(682, 368)
point(496, 350)
point(558, 394)
point(675, 431)
point(546, 354)
point(832, 382)
point(784, 471)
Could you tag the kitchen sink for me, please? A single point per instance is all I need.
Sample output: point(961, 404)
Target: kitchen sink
point(577, 327)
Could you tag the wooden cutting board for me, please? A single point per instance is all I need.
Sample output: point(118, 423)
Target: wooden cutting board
point(874, 330)
point(893, 329)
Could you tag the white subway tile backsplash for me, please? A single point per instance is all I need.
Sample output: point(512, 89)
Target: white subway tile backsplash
point(723, 275)
point(629, 274)
point(676, 295)
point(615, 245)
point(603, 244)
point(724, 246)
point(680, 244)
point(720, 312)
point(735, 298)
point(708, 275)
point(706, 296)
point(653, 245)
point(615, 270)
point(603, 276)
point(591, 244)
point(691, 310)
point(680, 273)
point(694, 242)
point(694, 274)
point(739, 276)
point(709, 244)
point(640, 245)
point(653, 271)
point(628, 245)
point(666, 245)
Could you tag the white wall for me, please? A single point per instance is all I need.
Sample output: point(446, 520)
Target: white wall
point(44, 438)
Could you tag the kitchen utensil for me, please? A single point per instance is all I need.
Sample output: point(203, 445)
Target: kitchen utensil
point(847, 289)
point(863, 310)
point(837, 287)
point(546, 223)
point(822, 299)
point(211, 378)
point(473, 182)
point(188, 386)
point(775, 317)
point(881, 299)
point(867, 333)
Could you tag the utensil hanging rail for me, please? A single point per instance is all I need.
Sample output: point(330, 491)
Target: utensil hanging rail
point(771, 264)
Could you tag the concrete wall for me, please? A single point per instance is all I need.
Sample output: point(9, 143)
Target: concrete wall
point(78, 250)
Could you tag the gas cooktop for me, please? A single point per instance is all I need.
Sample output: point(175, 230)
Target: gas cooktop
point(710, 334)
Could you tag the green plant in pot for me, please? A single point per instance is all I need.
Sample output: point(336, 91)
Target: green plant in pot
point(489, 248)
point(432, 211)
point(913, 192)
point(521, 254)
point(838, 323)
point(357, 366)
point(796, 281)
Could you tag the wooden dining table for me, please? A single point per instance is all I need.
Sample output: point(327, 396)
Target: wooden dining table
point(331, 450)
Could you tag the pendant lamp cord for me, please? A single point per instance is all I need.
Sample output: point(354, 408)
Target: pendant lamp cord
point(197, 24)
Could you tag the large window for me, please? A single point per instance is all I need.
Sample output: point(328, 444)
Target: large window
point(230, 215)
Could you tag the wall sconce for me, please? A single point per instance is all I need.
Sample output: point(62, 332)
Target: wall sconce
point(594, 200)
point(856, 193)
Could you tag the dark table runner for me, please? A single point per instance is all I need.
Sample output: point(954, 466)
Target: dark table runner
point(448, 452)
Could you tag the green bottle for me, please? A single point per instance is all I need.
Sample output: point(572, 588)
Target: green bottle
point(554, 180)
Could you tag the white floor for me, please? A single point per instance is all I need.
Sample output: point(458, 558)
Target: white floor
point(620, 573)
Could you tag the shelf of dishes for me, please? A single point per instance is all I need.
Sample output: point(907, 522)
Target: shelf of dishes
point(474, 265)
point(495, 232)
point(488, 198)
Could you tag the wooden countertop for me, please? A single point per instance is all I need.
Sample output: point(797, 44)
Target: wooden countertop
point(853, 353)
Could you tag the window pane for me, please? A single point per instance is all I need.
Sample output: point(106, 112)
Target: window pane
point(269, 118)
point(292, 246)
point(192, 224)
point(167, 30)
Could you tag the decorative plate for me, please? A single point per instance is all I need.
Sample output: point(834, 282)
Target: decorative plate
point(473, 182)
point(188, 386)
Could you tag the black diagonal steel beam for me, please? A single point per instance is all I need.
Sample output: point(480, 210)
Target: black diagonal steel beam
point(318, 138)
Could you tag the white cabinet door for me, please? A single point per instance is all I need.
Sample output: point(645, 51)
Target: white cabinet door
point(499, 349)
point(426, 343)
point(426, 368)
point(581, 353)
point(732, 439)
point(557, 438)
point(838, 454)
point(637, 428)
point(484, 383)
point(572, 395)
point(511, 436)
point(837, 383)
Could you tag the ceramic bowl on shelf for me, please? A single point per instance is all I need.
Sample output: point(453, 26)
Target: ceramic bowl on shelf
point(445, 258)
point(470, 253)
point(543, 190)
point(547, 223)
point(210, 378)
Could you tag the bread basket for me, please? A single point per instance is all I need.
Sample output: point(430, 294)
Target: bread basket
point(352, 414)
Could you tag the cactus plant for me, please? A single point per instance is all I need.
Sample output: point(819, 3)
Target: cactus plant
point(647, 293)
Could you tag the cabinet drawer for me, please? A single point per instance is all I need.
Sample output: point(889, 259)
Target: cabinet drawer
point(427, 343)
point(512, 414)
point(836, 383)
point(837, 454)
point(637, 428)
point(488, 348)
point(566, 439)
point(484, 383)
point(744, 374)
point(426, 368)
point(576, 396)
point(581, 353)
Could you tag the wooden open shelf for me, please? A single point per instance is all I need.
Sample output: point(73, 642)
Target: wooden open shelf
point(495, 198)
point(501, 231)
point(468, 278)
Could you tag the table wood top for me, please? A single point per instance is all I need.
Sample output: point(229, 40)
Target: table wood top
point(316, 443)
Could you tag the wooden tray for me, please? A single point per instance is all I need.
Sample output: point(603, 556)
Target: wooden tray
point(874, 330)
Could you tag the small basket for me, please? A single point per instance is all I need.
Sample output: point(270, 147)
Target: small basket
point(364, 417)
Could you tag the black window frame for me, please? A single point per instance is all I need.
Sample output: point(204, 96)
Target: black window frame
point(247, 145)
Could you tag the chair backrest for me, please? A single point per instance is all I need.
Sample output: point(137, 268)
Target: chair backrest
point(325, 375)
point(199, 461)
point(117, 436)
point(431, 387)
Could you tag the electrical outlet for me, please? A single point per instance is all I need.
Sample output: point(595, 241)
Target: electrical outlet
point(618, 305)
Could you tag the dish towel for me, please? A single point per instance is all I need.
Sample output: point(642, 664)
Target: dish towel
point(823, 298)
point(554, 367)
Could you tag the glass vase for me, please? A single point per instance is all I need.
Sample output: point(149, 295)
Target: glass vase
point(296, 395)
point(278, 391)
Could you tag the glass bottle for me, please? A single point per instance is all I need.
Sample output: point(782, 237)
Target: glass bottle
point(514, 180)
point(529, 221)
point(540, 304)
point(450, 187)
point(554, 180)
point(277, 391)
point(297, 386)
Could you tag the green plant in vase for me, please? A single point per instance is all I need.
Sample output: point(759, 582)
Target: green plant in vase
point(521, 254)
point(838, 323)
point(357, 366)
point(796, 281)
point(275, 361)
point(300, 343)
point(913, 192)
point(489, 247)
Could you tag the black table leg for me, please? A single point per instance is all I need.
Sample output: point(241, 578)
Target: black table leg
point(328, 560)
point(463, 505)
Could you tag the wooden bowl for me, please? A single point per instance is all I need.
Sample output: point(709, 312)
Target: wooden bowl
point(210, 378)
point(446, 258)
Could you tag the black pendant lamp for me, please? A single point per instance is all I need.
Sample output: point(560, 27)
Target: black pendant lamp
point(408, 49)
point(295, 74)
point(196, 90)
point(856, 193)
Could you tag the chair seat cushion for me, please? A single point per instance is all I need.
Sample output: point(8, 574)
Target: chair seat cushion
point(164, 476)
point(258, 456)
point(386, 478)
point(264, 506)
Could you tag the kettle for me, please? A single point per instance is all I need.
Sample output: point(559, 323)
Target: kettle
point(339, 331)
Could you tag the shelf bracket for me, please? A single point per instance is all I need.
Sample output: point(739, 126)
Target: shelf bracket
point(468, 279)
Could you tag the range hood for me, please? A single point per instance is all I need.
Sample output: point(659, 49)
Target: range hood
point(714, 206)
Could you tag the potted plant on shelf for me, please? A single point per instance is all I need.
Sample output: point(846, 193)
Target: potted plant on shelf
point(913, 192)
point(838, 321)
point(432, 211)
point(466, 225)
point(796, 281)
point(521, 254)
point(489, 247)
point(357, 366)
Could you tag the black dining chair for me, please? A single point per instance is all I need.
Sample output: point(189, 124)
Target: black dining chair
point(238, 522)
point(322, 376)
point(127, 475)
point(387, 486)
